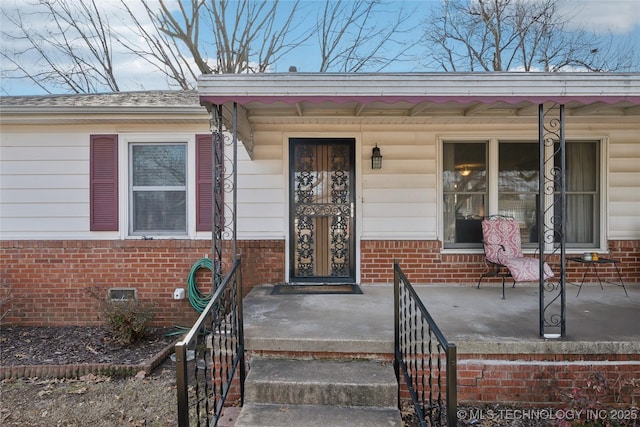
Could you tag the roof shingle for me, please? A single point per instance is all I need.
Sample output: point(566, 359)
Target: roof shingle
point(178, 98)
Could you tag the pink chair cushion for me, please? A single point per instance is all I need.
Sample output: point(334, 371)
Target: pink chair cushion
point(505, 233)
point(498, 233)
point(527, 269)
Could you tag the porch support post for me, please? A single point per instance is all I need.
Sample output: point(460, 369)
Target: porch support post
point(217, 198)
point(225, 178)
point(551, 218)
point(234, 179)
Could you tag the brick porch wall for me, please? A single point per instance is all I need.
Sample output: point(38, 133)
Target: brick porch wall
point(423, 263)
point(548, 379)
point(523, 381)
point(48, 281)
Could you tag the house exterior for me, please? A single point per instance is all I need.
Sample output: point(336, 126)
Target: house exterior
point(82, 201)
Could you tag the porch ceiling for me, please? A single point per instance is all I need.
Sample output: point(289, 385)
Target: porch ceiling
point(413, 98)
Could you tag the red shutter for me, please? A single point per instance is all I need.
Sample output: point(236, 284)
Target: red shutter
point(103, 176)
point(204, 180)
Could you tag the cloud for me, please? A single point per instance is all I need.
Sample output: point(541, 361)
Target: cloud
point(602, 16)
point(131, 71)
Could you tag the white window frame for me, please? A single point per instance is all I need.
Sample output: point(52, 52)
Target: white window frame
point(125, 140)
point(492, 183)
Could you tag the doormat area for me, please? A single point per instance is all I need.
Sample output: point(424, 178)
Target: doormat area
point(350, 289)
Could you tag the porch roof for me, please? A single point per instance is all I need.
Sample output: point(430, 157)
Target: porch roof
point(512, 88)
point(411, 97)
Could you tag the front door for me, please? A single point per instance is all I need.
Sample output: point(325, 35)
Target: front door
point(322, 220)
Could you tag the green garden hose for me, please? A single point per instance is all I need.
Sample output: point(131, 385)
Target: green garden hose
point(197, 299)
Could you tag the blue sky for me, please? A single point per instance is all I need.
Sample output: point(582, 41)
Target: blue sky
point(618, 17)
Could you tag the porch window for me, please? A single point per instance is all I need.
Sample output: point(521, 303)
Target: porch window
point(465, 190)
point(483, 177)
point(518, 180)
point(583, 194)
point(157, 191)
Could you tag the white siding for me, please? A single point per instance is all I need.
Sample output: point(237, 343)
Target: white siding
point(44, 176)
point(44, 191)
point(261, 189)
point(624, 184)
point(399, 200)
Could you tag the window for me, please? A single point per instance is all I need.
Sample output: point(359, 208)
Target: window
point(583, 194)
point(157, 191)
point(465, 190)
point(483, 177)
point(155, 173)
point(518, 168)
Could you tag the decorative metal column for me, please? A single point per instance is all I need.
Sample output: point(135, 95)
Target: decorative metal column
point(551, 218)
point(224, 176)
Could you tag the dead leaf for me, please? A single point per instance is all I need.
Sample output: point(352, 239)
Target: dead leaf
point(80, 390)
point(94, 379)
point(88, 377)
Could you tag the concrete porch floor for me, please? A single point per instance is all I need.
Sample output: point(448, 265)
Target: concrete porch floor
point(476, 320)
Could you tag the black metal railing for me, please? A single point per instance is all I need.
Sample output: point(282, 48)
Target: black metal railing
point(210, 355)
point(425, 357)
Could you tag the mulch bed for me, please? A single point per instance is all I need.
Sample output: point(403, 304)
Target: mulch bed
point(71, 351)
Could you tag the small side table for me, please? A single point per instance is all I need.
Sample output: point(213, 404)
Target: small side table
point(593, 264)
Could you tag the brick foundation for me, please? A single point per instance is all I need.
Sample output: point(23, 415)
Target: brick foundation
point(548, 379)
point(423, 263)
point(48, 281)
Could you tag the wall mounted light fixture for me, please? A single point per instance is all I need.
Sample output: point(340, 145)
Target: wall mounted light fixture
point(376, 158)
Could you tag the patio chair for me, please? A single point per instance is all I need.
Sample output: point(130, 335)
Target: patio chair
point(503, 253)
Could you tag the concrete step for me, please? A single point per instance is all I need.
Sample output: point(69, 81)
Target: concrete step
point(321, 382)
point(256, 415)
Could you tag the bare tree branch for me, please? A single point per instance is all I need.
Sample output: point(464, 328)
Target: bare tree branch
point(79, 50)
point(187, 31)
point(351, 35)
point(251, 36)
point(159, 51)
point(502, 35)
point(73, 50)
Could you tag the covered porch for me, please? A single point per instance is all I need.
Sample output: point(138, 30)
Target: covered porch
point(400, 211)
point(419, 206)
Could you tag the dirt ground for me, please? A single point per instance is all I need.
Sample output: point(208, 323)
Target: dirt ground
point(91, 400)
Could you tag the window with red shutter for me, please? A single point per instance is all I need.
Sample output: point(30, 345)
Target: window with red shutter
point(103, 175)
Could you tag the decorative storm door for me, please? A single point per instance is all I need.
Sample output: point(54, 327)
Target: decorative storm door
point(322, 210)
